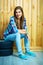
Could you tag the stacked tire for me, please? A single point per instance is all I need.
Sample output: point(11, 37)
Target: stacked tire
point(6, 48)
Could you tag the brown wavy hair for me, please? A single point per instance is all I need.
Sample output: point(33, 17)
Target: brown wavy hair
point(22, 17)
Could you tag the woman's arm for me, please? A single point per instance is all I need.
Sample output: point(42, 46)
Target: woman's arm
point(25, 26)
point(13, 24)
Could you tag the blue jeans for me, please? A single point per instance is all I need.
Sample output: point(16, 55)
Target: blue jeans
point(17, 37)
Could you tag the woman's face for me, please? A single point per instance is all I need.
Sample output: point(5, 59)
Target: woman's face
point(18, 13)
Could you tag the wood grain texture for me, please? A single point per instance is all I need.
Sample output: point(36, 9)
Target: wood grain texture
point(34, 16)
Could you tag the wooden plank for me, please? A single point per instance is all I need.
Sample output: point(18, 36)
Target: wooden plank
point(39, 41)
point(1, 22)
point(9, 12)
point(34, 21)
point(5, 18)
point(30, 20)
point(18, 2)
point(11, 7)
point(41, 20)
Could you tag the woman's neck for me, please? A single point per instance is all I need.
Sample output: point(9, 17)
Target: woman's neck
point(18, 19)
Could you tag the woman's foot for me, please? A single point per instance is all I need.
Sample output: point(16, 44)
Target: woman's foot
point(31, 53)
point(23, 56)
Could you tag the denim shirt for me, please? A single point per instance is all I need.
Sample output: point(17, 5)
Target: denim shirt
point(12, 28)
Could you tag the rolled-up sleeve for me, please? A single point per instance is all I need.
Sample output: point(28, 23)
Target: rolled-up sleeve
point(13, 25)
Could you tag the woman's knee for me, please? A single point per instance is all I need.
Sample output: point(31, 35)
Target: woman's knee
point(18, 34)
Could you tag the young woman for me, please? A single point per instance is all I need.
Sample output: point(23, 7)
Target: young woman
point(17, 30)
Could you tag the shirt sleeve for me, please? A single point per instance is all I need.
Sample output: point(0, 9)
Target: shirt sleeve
point(13, 24)
point(24, 25)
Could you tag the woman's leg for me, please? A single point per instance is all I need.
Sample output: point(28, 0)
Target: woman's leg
point(18, 44)
point(26, 42)
point(16, 37)
point(27, 45)
point(10, 37)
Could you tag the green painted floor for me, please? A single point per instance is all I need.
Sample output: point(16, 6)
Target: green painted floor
point(14, 60)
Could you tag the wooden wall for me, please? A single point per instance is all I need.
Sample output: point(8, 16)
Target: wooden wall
point(34, 16)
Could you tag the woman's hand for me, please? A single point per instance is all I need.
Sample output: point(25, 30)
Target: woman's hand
point(22, 31)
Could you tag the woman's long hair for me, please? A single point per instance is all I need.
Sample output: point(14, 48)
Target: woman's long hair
point(22, 17)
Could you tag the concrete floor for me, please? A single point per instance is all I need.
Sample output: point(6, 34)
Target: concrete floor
point(14, 60)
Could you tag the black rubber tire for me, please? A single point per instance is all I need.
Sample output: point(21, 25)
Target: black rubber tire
point(6, 52)
point(5, 45)
point(6, 48)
